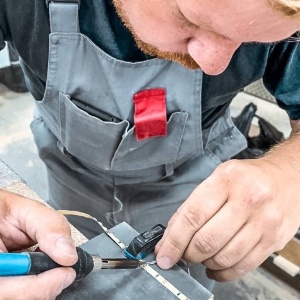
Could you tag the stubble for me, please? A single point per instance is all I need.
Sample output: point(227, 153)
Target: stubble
point(184, 59)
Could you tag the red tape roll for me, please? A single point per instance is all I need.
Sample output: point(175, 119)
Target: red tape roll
point(150, 113)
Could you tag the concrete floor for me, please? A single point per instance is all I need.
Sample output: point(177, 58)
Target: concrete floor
point(17, 149)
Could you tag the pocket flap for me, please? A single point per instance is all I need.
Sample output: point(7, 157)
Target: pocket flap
point(156, 151)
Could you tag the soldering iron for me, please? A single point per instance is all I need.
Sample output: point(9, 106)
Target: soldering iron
point(33, 263)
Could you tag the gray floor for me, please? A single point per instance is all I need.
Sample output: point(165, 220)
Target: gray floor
point(17, 149)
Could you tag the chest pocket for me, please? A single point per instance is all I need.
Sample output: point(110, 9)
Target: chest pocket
point(112, 145)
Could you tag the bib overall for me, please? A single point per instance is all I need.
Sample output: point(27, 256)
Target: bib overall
point(95, 164)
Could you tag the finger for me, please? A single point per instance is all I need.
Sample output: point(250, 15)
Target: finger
point(15, 239)
point(236, 249)
point(251, 261)
point(2, 247)
point(157, 247)
point(202, 204)
point(216, 233)
point(49, 228)
point(11, 236)
point(47, 285)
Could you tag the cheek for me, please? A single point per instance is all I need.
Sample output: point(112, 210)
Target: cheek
point(165, 38)
point(155, 28)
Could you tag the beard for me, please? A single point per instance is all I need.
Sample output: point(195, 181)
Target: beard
point(184, 59)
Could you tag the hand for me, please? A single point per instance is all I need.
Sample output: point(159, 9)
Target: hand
point(236, 218)
point(23, 223)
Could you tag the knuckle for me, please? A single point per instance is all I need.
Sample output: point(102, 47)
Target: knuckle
point(273, 221)
point(240, 247)
point(231, 168)
point(176, 245)
point(206, 244)
point(259, 195)
point(280, 245)
point(219, 277)
point(276, 217)
point(277, 241)
point(192, 218)
point(238, 271)
point(63, 219)
point(222, 261)
point(173, 219)
point(231, 171)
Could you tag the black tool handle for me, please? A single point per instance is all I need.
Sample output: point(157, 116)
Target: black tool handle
point(41, 262)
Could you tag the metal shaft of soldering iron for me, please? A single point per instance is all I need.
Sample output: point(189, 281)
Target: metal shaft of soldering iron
point(33, 263)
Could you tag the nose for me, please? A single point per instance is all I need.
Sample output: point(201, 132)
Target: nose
point(212, 52)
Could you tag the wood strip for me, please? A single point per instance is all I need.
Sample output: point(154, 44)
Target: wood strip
point(292, 251)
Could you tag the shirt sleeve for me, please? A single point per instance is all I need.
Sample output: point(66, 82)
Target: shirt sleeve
point(282, 76)
point(2, 43)
point(2, 24)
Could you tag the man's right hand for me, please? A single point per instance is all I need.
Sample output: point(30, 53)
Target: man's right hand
point(23, 223)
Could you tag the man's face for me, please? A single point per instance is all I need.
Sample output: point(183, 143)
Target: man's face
point(202, 33)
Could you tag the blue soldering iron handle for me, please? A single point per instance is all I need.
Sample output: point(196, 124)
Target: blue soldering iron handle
point(27, 263)
point(33, 263)
point(14, 264)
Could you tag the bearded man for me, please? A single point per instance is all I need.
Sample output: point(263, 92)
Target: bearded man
point(132, 121)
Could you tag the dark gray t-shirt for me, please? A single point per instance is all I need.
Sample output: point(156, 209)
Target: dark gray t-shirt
point(25, 24)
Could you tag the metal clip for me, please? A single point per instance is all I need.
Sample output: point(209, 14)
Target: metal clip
point(144, 242)
point(63, 1)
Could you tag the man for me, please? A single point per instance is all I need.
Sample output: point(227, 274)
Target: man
point(105, 90)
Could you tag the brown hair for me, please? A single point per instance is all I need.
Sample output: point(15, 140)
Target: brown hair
point(288, 7)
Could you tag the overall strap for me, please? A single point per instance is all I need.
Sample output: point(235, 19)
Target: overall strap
point(63, 15)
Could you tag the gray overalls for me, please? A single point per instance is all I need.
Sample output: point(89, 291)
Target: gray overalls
point(96, 165)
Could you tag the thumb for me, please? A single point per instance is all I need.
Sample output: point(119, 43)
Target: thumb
point(60, 248)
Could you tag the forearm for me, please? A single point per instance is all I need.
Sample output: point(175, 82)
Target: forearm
point(286, 155)
point(295, 124)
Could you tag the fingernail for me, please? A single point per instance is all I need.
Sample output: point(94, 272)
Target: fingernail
point(164, 262)
point(66, 247)
point(69, 278)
